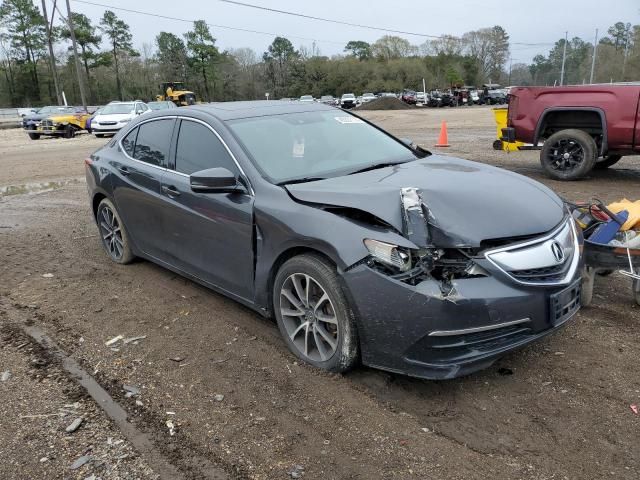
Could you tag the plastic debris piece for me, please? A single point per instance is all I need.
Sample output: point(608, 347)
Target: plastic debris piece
point(74, 425)
point(133, 339)
point(634, 408)
point(47, 275)
point(108, 343)
point(80, 462)
point(171, 426)
point(6, 375)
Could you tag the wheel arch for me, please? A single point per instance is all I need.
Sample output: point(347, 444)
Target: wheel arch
point(95, 201)
point(590, 119)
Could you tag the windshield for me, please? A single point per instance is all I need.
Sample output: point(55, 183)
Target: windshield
point(117, 108)
point(315, 144)
point(348, 95)
point(306, 97)
point(368, 95)
point(326, 97)
point(54, 109)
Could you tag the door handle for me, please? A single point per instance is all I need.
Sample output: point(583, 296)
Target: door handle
point(124, 171)
point(170, 190)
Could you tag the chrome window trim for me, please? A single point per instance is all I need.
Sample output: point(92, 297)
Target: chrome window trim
point(167, 117)
point(224, 144)
point(484, 328)
point(575, 258)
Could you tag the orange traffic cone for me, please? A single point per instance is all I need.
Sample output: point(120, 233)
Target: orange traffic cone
point(443, 140)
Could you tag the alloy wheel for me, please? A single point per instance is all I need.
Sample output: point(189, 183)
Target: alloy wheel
point(309, 317)
point(111, 233)
point(566, 155)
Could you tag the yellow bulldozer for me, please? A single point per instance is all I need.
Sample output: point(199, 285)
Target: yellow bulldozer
point(177, 93)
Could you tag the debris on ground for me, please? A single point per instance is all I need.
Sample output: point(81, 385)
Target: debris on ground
point(74, 425)
point(634, 408)
point(108, 343)
point(131, 391)
point(133, 340)
point(80, 462)
point(177, 359)
point(385, 103)
point(6, 375)
point(218, 397)
point(47, 275)
point(171, 426)
point(297, 471)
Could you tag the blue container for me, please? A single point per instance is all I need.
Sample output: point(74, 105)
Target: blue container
point(606, 232)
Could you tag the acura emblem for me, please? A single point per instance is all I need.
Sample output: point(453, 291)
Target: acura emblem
point(558, 251)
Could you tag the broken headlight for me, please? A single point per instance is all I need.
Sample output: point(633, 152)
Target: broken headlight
point(389, 254)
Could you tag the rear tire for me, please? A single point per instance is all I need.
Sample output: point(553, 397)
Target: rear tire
point(568, 154)
point(69, 131)
point(313, 314)
point(113, 233)
point(607, 161)
point(99, 135)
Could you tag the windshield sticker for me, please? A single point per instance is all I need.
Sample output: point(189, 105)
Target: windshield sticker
point(298, 149)
point(345, 120)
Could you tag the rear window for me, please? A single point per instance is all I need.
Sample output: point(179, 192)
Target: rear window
point(153, 142)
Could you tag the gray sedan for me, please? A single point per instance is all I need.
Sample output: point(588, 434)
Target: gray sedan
point(363, 247)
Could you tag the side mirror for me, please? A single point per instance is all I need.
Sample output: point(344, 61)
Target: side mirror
point(214, 180)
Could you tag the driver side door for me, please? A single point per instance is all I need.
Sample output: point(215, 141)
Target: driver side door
point(210, 235)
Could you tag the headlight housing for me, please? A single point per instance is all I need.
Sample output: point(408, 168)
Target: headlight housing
point(389, 254)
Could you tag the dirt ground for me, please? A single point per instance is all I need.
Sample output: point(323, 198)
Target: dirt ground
point(239, 402)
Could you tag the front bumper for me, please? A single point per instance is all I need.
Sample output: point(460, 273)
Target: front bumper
point(114, 128)
point(417, 331)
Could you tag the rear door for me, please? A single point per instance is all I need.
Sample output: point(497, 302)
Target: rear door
point(210, 234)
point(138, 175)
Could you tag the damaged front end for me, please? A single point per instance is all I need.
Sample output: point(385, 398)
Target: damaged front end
point(427, 261)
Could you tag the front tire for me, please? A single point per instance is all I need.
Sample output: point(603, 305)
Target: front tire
point(113, 234)
point(568, 154)
point(313, 314)
point(607, 161)
point(32, 135)
point(69, 131)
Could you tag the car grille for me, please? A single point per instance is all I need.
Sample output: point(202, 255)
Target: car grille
point(549, 260)
point(554, 273)
point(46, 123)
point(107, 123)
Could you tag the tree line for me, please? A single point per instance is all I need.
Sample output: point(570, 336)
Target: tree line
point(113, 69)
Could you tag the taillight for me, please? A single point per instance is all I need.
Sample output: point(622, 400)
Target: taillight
point(513, 107)
point(88, 162)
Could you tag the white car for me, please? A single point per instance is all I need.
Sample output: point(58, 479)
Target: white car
point(421, 98)
point(367, 97)
point(348, 100)
point(307, 98)
point(116, 115)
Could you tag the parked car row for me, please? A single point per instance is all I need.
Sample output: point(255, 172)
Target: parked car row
point(66, 121)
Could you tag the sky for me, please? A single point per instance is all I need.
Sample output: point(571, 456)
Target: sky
point(540, 22)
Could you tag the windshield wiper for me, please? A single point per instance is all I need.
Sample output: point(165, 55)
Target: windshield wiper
point(300, 180)
point(376, 166)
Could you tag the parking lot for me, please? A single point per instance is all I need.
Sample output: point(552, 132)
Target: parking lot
point(238, 404)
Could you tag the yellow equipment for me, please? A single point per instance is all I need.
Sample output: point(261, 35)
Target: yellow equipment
point(500, 115)
point(177, 93)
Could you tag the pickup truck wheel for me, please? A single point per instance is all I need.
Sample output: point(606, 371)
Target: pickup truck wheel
point(607, 161)
point(69, 131)
point(34, 136)
point(568, 154)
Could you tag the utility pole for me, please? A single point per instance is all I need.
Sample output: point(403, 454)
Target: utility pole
point(510, 63)
point(564, 57)
point(593, 60)
point(83, 97)
point(52, 60)
point(626, 52)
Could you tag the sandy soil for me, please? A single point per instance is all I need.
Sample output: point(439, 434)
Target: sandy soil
point(559, 409)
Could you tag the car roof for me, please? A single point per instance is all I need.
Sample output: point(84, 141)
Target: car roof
point(257, 108)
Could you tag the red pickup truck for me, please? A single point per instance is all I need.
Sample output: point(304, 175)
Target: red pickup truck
point(582, 127)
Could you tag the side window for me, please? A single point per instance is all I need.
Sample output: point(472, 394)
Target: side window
point(199, 148)
point(152, 144)
point(129, 142)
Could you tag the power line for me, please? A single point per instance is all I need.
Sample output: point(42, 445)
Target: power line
point(358, 25)
point(185, 20)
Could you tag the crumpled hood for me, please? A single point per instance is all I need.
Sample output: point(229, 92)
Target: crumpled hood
point(467, 202)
